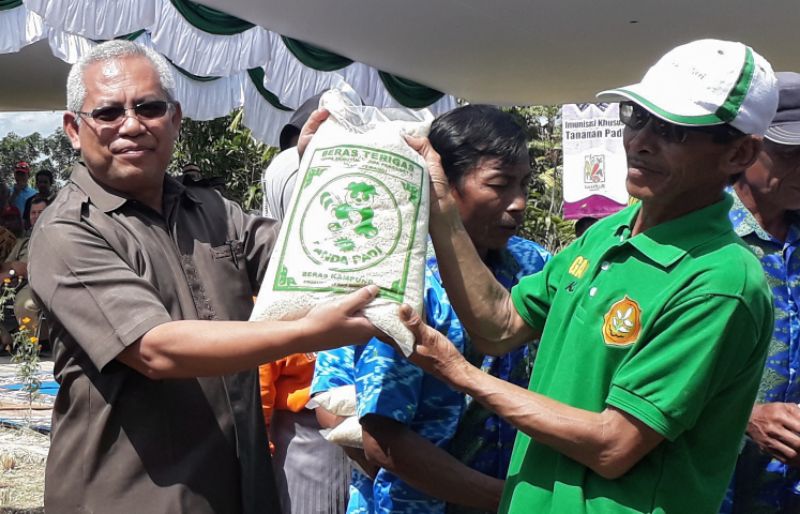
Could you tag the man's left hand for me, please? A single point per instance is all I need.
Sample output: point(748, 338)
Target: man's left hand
point(433, 352)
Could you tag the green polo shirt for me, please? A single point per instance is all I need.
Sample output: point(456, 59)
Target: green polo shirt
point(670, 326)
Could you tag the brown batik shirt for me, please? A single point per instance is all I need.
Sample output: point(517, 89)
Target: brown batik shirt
point(107, 270)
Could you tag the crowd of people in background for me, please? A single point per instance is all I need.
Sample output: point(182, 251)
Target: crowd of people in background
point(20, 208)
point(638, 370)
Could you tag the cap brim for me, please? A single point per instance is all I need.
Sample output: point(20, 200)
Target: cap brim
point(636, 94)
point(614, 95)
point(785, 133)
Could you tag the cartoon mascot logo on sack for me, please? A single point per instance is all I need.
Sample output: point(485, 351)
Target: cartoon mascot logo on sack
point(622, 323)
point(353, 214)
point(352, 223)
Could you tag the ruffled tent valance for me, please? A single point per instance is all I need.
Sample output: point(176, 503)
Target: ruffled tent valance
point(221, 62)
point(19, 27)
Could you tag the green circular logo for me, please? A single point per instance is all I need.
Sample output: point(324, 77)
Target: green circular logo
point(352, 223)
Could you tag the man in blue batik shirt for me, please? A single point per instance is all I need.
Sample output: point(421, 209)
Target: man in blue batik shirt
point(434, 449)
point(764, 214)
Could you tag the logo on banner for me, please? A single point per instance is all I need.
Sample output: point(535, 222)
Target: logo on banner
point(594, 169)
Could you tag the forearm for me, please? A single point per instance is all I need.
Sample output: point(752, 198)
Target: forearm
point(430, 469)
point(326, 418)
point(483, 305)
point(191, 348)
point(357, 455)
point(608, 442)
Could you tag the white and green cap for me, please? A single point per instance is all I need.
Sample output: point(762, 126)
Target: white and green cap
point(708, 82)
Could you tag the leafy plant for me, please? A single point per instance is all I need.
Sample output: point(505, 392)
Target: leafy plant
point(24, 346)
point(225, 148)
point(544, 223)
point(53, 152)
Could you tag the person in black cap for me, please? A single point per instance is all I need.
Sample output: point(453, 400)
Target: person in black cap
point(765, 215)
point(190, 172)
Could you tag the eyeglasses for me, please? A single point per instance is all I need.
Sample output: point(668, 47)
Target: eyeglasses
point(636, 117)
point(114, 114)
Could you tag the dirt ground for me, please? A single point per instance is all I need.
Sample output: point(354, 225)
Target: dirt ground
point(22, 456)
point(23, 451)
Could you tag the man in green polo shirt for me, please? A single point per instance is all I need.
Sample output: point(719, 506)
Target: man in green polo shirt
point(654, 325)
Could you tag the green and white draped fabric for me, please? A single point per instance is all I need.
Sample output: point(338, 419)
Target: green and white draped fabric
point(19, 27)
point(221, 62)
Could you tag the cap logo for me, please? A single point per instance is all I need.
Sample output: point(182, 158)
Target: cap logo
point(622, 323)
point(730, 108)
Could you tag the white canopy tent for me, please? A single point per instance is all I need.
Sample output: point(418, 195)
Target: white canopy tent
point(507, 52)
point(522, 51)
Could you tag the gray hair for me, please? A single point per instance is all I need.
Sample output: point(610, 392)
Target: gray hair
point(109, 51)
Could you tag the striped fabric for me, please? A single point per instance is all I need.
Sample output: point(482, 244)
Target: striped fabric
point(312, 474)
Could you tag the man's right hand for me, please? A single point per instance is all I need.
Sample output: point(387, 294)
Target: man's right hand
point(775, 428)
point(342, 321)
point(433, 352)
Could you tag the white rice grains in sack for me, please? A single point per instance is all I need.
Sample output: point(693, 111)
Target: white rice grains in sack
point(339, 401)
point(358, 216)
point(347, 433)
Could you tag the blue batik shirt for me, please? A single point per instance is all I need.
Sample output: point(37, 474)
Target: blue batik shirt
point(388, 385)
point(336, 368)
point(763, 484)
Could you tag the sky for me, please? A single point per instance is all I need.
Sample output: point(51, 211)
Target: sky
point(25, 123)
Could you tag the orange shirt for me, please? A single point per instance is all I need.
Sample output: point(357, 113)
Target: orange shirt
point(285, 383)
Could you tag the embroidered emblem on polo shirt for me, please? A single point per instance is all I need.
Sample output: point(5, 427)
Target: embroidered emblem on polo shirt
point(622, 323)
point(578, 267)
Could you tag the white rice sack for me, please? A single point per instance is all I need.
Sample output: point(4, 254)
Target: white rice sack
point(347, 433)
point(340, 401)
point(358, 216)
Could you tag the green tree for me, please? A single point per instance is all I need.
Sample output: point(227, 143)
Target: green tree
point(15, 148)
point(53, 152)
point(225, 148)
point(543, 216)
point(57, 154)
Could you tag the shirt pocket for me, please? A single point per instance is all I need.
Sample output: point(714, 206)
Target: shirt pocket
point(222, 270)
point(232, 251)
